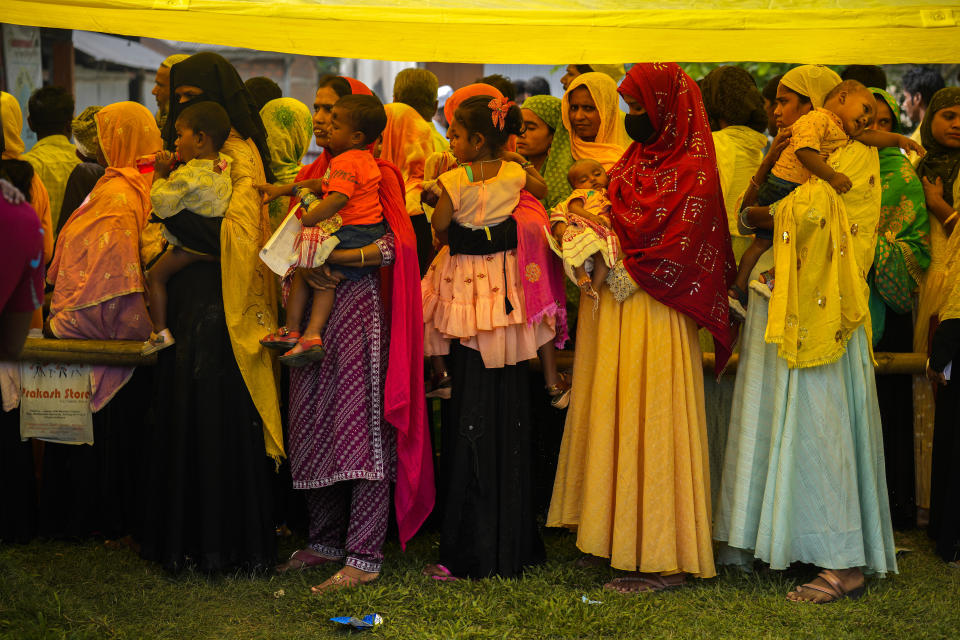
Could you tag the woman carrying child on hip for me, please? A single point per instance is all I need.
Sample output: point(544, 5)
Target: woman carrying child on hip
point(348, 216)
point(196, 178)
point(818, 128)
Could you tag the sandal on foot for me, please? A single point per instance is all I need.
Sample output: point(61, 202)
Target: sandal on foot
point(157, 341)
point(283, 339)
point(307, 350)
point(340, 580)
point(560, 392)
point(648, 582)
point(304, 559)
point(441, 386)
point(834, 589)
point(439, 573)
point(737, 299)
point(762, 289)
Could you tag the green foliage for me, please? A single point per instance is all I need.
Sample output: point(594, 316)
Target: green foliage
point(761, 71)
point(62, 590)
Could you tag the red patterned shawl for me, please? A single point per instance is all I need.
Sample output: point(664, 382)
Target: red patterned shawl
point(667, 206)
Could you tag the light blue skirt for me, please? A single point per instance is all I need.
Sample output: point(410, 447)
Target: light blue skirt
point(803, 473)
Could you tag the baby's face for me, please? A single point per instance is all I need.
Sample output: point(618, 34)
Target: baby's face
point(856, 112)
point(588, 175)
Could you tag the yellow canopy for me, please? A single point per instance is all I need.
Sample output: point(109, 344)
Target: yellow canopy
point(532, 31)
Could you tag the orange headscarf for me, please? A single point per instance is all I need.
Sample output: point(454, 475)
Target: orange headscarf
point(612, 139)
point(98, 250)
point(406, 143)
point(461, 94)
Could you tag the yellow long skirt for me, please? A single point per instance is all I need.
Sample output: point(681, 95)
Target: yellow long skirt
point(633, 473)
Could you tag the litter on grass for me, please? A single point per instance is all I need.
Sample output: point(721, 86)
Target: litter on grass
point(368, 621)
point(587, 600)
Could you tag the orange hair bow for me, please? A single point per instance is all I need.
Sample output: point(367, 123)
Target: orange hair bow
point(500, 108)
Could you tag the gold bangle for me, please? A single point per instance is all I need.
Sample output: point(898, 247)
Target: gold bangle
point(361, 256)
point(951, 218)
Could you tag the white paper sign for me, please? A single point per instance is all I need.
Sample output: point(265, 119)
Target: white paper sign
point(55, 402)
point(280, 252)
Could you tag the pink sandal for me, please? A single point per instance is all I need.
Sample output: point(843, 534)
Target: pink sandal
point(440, 573)
point(283, 339)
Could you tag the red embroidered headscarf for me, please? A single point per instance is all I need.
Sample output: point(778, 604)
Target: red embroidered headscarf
point(667, 205)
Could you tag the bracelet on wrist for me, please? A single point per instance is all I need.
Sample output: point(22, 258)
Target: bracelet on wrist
point(951, 218)
point(526, 165)
point(743, 220)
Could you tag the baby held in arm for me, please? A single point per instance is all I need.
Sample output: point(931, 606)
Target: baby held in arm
point(341, 210)
point(580, 225)
point(847, 111)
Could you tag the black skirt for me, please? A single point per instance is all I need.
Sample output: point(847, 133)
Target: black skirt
point(489, 521)
point(945, 482)
point(895, 393)
point(92, 490)
point(18, 515)
point(207, 493)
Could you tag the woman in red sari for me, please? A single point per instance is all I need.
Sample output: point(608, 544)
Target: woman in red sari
point(633, 476)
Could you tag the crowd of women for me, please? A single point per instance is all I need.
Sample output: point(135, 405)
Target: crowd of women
point(178, 462)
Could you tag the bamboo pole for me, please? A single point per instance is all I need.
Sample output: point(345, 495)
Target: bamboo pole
point(127, 353)
point(107, 352)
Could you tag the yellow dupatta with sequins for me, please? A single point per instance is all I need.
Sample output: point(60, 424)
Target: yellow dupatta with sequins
point(951, 284)
point(823, 249)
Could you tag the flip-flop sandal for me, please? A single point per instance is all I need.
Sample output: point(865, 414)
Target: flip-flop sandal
point(439, 573)
point(835, 589)
point(303, 559)
point(283, 339)
point(645, 583)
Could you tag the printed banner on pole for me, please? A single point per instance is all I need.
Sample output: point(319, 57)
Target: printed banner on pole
point(55, 402)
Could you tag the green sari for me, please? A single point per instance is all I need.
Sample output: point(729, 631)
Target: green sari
point(559, 158)
point(903, 235)
point(289, 126)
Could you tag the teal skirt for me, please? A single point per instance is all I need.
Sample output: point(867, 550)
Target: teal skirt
point(803, 472)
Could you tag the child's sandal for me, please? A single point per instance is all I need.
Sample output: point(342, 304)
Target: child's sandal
point(560, 392)
point(283, 339)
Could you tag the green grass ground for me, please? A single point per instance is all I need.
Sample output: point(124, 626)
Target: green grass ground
point(62, 590)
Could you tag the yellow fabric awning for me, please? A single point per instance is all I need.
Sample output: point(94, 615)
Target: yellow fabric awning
point(532, 31)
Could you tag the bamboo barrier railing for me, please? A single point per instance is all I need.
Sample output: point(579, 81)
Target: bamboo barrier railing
point(127, 353)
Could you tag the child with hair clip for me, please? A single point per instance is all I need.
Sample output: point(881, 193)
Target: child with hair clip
point(582, 236)
point(196, 178)
point(348, 215)
point(847, 110)
point(473, 292)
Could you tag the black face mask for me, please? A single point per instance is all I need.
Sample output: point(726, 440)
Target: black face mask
point(639, 127)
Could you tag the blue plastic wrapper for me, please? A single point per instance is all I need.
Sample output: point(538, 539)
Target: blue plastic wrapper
point(368, 621)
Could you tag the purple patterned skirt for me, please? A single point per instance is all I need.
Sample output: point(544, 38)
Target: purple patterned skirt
point(337, 430)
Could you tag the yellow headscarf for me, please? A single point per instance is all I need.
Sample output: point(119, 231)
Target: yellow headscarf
point(13, 148)
point(615, 71)
point(174, 59)
point(812, 80)
point(407, 143)
point(612, 139)
point(823, 249)
point(12, 125)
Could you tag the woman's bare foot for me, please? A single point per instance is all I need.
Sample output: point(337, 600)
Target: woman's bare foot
point(829, 586)
point(347, 577)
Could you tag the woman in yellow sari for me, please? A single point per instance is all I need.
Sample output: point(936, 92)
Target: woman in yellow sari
point(803, 477)
point(591, 114)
